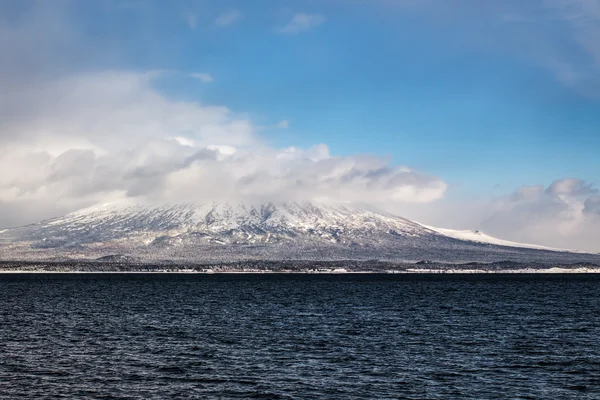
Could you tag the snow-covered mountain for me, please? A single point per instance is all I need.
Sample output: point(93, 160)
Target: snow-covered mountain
point(226, 231)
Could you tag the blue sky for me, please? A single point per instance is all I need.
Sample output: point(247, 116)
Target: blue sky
point(375, 77)
point(477, 112)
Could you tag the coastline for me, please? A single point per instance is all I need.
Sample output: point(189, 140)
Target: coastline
point(405, 272)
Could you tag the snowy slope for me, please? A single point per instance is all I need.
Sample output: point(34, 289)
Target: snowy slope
point(238, 231)
point(248, 222)
point(480, 237)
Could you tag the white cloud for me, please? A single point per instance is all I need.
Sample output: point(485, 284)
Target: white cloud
point(565, 214)
point(191, 19)
point(73, 139)
point(283, 124)
point(560, 215)
point(228, 17)
point(204, 77)
point(302, 22)
point(90, 137)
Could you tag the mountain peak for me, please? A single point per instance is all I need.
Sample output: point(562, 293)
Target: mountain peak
point(235, 230)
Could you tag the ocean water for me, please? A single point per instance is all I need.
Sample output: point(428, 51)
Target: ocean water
point(163, 336)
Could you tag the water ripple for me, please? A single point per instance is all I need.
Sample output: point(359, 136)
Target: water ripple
point(299, 337)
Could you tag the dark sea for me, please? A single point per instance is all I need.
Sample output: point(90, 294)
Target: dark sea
point(299, 336)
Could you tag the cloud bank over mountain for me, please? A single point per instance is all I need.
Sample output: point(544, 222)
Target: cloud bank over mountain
point(566, 213)
point(563, 214)
point(108, 135)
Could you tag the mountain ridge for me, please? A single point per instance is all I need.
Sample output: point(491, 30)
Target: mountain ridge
point(269, 230)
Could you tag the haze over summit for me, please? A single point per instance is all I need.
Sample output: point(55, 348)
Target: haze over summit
point(316, 101)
